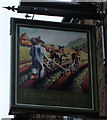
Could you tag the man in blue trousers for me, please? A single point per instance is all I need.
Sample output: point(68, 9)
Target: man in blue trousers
point(37, 52)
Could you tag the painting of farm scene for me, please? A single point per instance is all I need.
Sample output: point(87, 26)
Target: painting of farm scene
point(52, 59)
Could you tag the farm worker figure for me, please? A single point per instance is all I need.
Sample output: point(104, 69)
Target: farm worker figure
point(37, 52)
point(75, 60)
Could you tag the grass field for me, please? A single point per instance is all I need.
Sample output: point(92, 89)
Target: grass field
point(24, 53)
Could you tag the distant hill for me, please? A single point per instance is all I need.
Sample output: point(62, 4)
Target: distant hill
point(77, 42)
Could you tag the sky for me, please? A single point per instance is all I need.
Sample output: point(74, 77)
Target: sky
point(48, 35)
point(5, 46)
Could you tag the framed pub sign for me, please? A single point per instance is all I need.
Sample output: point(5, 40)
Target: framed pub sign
point(53, 68)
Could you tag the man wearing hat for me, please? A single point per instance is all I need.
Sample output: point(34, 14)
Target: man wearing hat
point(37, 52)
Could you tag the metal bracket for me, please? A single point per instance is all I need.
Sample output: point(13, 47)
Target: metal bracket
point(101, 24)
point(11, 8)
point(33, 16)
point(55, 12)
point(27, 16)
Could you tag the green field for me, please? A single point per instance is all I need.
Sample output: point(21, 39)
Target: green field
point(24, 53)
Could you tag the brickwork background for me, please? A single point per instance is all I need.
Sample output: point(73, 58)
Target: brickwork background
point(101, 68)
point(105, 27)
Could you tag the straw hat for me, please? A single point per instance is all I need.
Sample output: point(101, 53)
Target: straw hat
point(36, 40)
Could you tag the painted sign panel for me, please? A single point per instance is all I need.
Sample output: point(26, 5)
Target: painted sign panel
point(53, 67)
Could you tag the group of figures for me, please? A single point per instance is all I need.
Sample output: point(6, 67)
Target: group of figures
point(38, 51)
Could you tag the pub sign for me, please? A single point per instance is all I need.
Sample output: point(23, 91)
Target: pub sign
point(53, 68)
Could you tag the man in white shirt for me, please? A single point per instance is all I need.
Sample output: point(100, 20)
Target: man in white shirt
point(37, 52)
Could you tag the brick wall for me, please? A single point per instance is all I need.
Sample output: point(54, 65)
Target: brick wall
point(105, 82)
point(102, 69)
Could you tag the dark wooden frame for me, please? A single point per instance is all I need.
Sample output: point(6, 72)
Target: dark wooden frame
point(16, 108)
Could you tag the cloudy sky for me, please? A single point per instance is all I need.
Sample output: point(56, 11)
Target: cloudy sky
point(50, 36)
